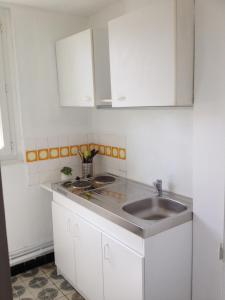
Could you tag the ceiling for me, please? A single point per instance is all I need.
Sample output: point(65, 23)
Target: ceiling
point(76, 7)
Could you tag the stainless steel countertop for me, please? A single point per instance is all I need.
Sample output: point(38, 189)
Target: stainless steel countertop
point(108, 202)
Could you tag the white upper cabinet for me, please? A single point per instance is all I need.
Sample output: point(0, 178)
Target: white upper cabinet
point(75, 70)
point(151, 55)
point(83, 69)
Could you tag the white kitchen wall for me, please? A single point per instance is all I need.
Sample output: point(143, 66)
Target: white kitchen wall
point(28, 209)
point(159, 141)
point(209, 149)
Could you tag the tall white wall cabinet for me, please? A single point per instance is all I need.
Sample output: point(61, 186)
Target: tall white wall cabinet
point(151, 59)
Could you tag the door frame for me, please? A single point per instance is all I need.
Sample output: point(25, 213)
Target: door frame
point(5, 282)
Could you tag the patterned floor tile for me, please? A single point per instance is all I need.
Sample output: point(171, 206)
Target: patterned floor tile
point(39, 284)
point(27, 295)
point(65, 287)
point(16, 280)
point(55, 278)
point(48, 269)
point(28, 276)
point(43, 284)
point(50, 292)
point(74, 296)
point(18, 290)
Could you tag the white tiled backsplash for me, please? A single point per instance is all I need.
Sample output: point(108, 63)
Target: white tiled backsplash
point(49, 170)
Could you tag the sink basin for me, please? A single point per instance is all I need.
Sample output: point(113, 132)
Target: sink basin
point(154, 208)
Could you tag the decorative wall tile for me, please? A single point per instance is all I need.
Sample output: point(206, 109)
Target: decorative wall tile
point(122, 153)
point(108, 150)
point(74, 150)
point(101, 149)
point(96, 147)
point(43, 154)
point(53, 153)
point(83, 148)
point(64, 151)
point(115, 152)
point(92, 147)
point(31, 156)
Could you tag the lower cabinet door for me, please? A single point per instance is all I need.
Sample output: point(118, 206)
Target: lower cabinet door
point(63, 241)
point(122, 271)
point(89, 261)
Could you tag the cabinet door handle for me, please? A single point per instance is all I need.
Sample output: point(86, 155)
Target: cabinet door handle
point(106, 101)
point(107, 252)
point(68, 225)
point(75, 230)
point(122, 98)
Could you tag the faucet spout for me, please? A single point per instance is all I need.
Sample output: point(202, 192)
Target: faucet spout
point(158, 187)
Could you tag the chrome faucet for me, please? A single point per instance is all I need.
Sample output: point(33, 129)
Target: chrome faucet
point(158, 186)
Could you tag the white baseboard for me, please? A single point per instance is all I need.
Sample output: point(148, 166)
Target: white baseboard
point(26, 254)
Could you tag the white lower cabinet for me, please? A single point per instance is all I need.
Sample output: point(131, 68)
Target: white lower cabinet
point(122, 271)
point(89, 261)
point(87, 258)
point(63, 241)
point(104, 261)
point(78, 252)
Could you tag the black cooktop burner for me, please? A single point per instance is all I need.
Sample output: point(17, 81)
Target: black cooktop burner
point(67, 183)
point(79, 185)
point(103, 179)
point(82, 184)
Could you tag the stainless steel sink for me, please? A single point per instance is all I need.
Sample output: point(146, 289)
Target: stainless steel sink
point(157, 208)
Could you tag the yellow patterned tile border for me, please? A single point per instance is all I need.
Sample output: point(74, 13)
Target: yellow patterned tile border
point(69, 151)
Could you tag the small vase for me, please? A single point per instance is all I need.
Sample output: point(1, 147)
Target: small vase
point(65, 177)
point(87, 170)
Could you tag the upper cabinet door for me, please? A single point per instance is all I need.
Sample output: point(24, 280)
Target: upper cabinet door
point(151, 55)
point(75, 70)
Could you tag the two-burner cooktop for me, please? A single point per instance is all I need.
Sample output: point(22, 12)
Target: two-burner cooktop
point(80, 185)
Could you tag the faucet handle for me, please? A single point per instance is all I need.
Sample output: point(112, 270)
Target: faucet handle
point(158, 182)
point(158, 185)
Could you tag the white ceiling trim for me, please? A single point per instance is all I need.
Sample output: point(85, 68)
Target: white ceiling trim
point(76, 7)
